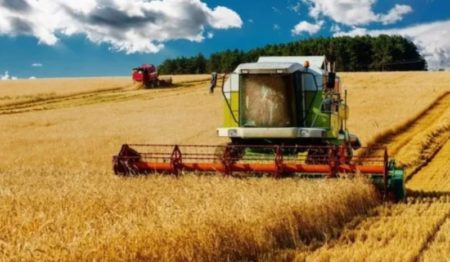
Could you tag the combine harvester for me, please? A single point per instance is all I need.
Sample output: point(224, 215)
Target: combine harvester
point(285, 116)
point(148, 76)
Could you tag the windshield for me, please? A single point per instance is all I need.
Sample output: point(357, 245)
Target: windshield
point(267, 100)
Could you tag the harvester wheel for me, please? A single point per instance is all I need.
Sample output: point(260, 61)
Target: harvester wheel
point(151, 84)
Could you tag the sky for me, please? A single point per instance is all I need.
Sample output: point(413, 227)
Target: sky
point(64, 38)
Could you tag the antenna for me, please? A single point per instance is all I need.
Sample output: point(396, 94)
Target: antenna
point(346, 108)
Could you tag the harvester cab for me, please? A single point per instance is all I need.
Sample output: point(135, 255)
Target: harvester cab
point(284, 116)
point(286, 101)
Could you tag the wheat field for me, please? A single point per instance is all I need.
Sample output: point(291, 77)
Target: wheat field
point(193, 218)
point(416, 230)
point(19, 91)
point(60, 201)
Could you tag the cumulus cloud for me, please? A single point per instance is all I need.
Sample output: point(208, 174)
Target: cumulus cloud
point(354, 12)
point(129, 26)
point(307, 27)
point(395, 14)
point(6, 76)
point(335, 28)
point(37, 65)
point(430, 38)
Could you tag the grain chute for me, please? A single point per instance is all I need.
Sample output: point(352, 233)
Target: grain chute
point(284, 116)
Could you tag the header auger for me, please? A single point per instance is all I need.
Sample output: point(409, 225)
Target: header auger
point(285, 117)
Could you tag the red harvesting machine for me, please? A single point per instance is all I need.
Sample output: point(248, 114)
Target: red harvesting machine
point(147, 74)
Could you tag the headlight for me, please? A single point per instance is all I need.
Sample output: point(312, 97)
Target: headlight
point(304, 133)
point(232, 133)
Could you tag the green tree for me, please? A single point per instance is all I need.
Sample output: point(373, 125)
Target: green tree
point(360, 53)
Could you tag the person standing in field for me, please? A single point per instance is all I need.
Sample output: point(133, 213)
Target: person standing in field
point(213, 82)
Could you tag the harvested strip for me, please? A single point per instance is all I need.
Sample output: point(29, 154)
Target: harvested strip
point(436, 175)
point(418, 140)
point(394, 233)
point(428, 119)
point(439, 249)
point(88, 98)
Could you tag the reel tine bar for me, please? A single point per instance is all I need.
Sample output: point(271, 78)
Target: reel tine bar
point(276, 160)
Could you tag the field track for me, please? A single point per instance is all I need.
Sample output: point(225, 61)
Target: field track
point(398, 139)
point(406, 231)
point(432, 236)
point(403, 139)
point(116, 94)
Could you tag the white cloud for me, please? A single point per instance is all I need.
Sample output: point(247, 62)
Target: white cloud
point(307, 27)
point(37, 65)
point(395, 14)
point(6, 76)
point(276, 27)
point(430, 38)
point(210, 35)
point(335, 28)
point(223, 18)
point(32, 78)
point(129, 26)
point(354, 12)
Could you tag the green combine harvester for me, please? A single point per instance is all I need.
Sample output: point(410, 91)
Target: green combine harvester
point(284, 116)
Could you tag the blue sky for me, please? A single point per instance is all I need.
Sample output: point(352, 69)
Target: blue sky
point(108, 37)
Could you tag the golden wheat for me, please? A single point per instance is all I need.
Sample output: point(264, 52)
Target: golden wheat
point(384, 101)
point(93, 216)
point(403, 232)
point(17, 91)
point(436, 175)
point(439, 248)
point(394, 233)
point(42, 89)
point(60, 201)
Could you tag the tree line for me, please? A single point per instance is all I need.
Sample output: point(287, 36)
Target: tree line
point(359, 53)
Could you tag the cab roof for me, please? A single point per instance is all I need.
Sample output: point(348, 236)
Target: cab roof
point(266, 67)
point(314, 61)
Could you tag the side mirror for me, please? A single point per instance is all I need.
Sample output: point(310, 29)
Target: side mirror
point(327, 104)
point(331, 80)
